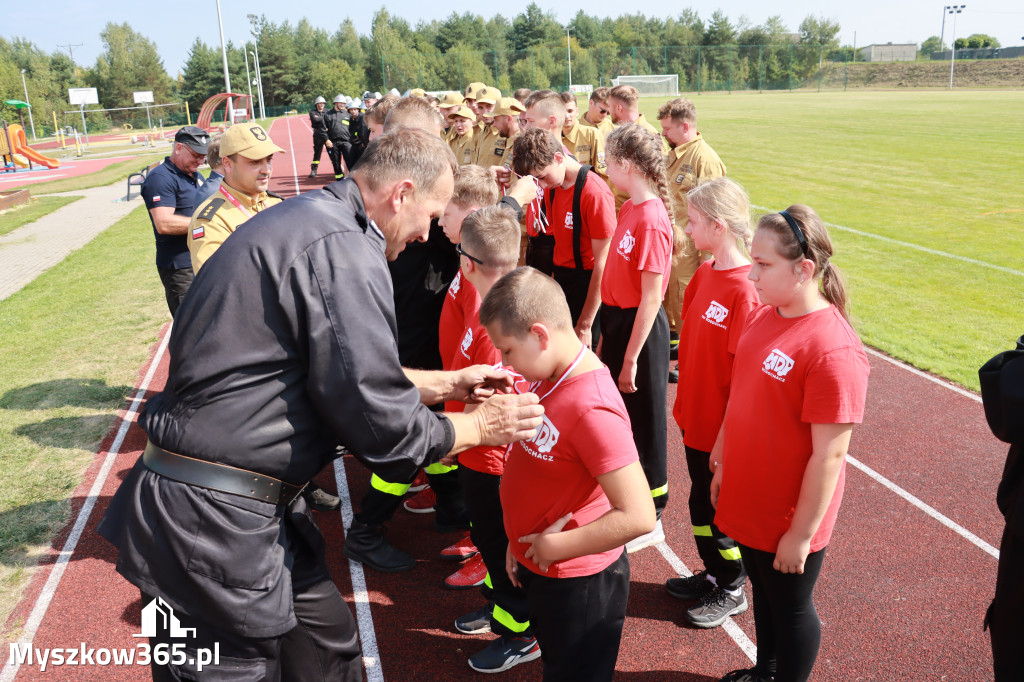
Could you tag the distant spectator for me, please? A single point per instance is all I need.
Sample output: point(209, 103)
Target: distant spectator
point(213, 159)
point(624, 106)
point(170, 192)
point(596, 115)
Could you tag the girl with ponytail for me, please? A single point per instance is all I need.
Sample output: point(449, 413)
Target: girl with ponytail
point(716, 304)
point(635, 335)
point(799, 384)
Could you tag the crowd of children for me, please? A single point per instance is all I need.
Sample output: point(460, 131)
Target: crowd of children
point(772, 378)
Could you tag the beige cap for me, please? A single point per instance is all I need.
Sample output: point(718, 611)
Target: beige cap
point(451, 99)
point(488, 95)
point(249, 140)
point(417, 92)
point(473, 89)
point(508, 106)
point(465, 112)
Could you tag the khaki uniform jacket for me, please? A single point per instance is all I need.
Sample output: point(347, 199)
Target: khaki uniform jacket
point(587, 145)
point(464, 147)
point(216, 218)
point(604, 127)
point(490, 147)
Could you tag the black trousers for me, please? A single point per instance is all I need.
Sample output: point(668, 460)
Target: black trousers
point(1006, 614)
point(379, 506)
point(318, 148)
point(540, 253)
point(341, 150)
point(718, 551)
point(511, 613)
point(323, 646)
point(575, 285)
point(176, 282)
point(647, 410)
point(578, 621)
point(785, 620)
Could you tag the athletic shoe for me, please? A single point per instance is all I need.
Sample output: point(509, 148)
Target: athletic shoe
point(654, 537)
point(418, 483)
point(504, 653)
point(469, 576)
point(475, 623)
point(422, 502)
point(463, 549)
point(321, 500)
point(746, 675)
point(691, 587)
point(714, 607)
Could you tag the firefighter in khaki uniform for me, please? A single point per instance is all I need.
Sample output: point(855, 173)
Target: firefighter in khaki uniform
point(462, 143)
point(448, 104)
point(506, 122)
point(690, 162)
point(248, 157)
point(596, 116)
point(485, 133)
point(586, 144)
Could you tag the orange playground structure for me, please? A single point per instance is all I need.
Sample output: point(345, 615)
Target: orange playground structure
point(15, 150)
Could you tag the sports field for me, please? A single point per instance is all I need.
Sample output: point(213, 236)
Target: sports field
point(923, 190)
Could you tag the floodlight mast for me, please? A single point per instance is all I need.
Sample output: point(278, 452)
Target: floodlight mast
point(224, 56)
point(30, 121)
point(248, 79)
point(259, 77)
point(954, 10)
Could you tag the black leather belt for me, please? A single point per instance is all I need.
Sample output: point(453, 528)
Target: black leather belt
point(220, 477)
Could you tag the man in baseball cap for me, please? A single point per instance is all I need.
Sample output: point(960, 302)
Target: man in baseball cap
point(194, 138)
point(247, 153)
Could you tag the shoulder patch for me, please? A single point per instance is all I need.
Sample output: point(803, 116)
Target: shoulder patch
point(276, 196)
point(211, 209)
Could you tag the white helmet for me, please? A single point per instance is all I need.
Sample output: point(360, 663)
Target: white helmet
point(320, 100)
point(395, 92)
point(339, 98)
point(355, 104)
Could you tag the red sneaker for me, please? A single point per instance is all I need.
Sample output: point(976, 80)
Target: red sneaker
point(418, 483)
point(463, 549)
point(469, 576)
point(422, 502)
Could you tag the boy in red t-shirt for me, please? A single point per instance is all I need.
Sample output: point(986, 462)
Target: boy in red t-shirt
point(580, 250)
point(575, 493)
point(489, 248)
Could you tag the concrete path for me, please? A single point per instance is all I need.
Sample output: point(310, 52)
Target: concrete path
point(32, 249)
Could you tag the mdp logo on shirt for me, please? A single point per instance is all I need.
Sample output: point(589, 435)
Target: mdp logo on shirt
point(626, 245)
point(456, 284)
point(568, 220)
point(777, 365)
point(467, 341)
point(546, 438)
point(716, 314)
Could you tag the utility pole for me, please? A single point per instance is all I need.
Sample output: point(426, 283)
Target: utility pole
point(71, 52)
point(224, 56)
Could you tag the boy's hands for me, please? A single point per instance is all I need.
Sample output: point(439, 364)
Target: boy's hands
point(540, 551)
point(627, 377)
point(512, 567)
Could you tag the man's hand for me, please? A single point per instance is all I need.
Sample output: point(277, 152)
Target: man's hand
point(479, 382)
point(524, 190)
point(503, 419)
point(502, 175)
point(329, 144)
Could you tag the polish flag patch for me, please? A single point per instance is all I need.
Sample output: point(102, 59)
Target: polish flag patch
point(198, 232)
point(156, 198)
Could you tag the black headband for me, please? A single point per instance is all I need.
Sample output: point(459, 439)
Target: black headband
point(797, 232)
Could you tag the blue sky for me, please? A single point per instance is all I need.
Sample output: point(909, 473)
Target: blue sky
point(175, 27)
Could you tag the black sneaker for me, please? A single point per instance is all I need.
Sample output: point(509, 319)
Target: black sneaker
point(475, 623)
point(746, 675)
point(504, 653)
point(691, 587)
point(714, 607)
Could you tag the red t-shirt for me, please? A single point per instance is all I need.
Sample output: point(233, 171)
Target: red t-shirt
point(715, 308)
point(788, 373)
point(642, 242)
point(462, 299)
point(475, 348)
point(585, 434)
point(597, 209)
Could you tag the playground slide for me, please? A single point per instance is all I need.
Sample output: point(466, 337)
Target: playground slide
point(21, 147)
point(19, 160)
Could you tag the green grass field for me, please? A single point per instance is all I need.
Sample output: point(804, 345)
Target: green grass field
point(35, 209)
point(939, 170)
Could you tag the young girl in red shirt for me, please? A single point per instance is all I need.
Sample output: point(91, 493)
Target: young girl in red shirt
point(715, 308)
point(799, 385)
point(635, 334)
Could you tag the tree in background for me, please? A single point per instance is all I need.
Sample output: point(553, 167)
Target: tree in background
point(932, 44)
point(129, 62)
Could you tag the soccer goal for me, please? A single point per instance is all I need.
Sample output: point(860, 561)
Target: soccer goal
point(664, 85)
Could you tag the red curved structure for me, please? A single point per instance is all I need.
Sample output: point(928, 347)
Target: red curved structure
point(205, 119)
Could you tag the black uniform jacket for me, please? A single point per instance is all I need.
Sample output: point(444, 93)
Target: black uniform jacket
point(283, 349)
point(318, 124)
point(339, 125)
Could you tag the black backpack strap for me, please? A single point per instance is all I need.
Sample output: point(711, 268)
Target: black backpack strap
point(577, 218)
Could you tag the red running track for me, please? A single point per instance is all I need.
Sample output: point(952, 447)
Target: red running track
point(902, 594)
point(69, 168)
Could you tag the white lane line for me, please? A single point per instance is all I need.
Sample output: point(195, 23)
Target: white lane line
point(733, 630)
point(364, 618)
point(909, 245)
point(930, 511)
point(914, 370)
point(291, 153)
point(35, 618)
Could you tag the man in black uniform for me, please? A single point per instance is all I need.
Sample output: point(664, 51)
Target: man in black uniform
point(319, 126)
point(359, 130)
point(210, 519)
point(339, 136)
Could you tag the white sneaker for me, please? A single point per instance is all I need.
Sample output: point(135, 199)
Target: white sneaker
point(654, 537)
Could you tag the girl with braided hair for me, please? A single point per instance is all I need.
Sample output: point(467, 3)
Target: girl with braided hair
point(635, 342)
point(799, 383)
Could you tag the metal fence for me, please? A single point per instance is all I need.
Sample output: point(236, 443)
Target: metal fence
point(700, 67)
